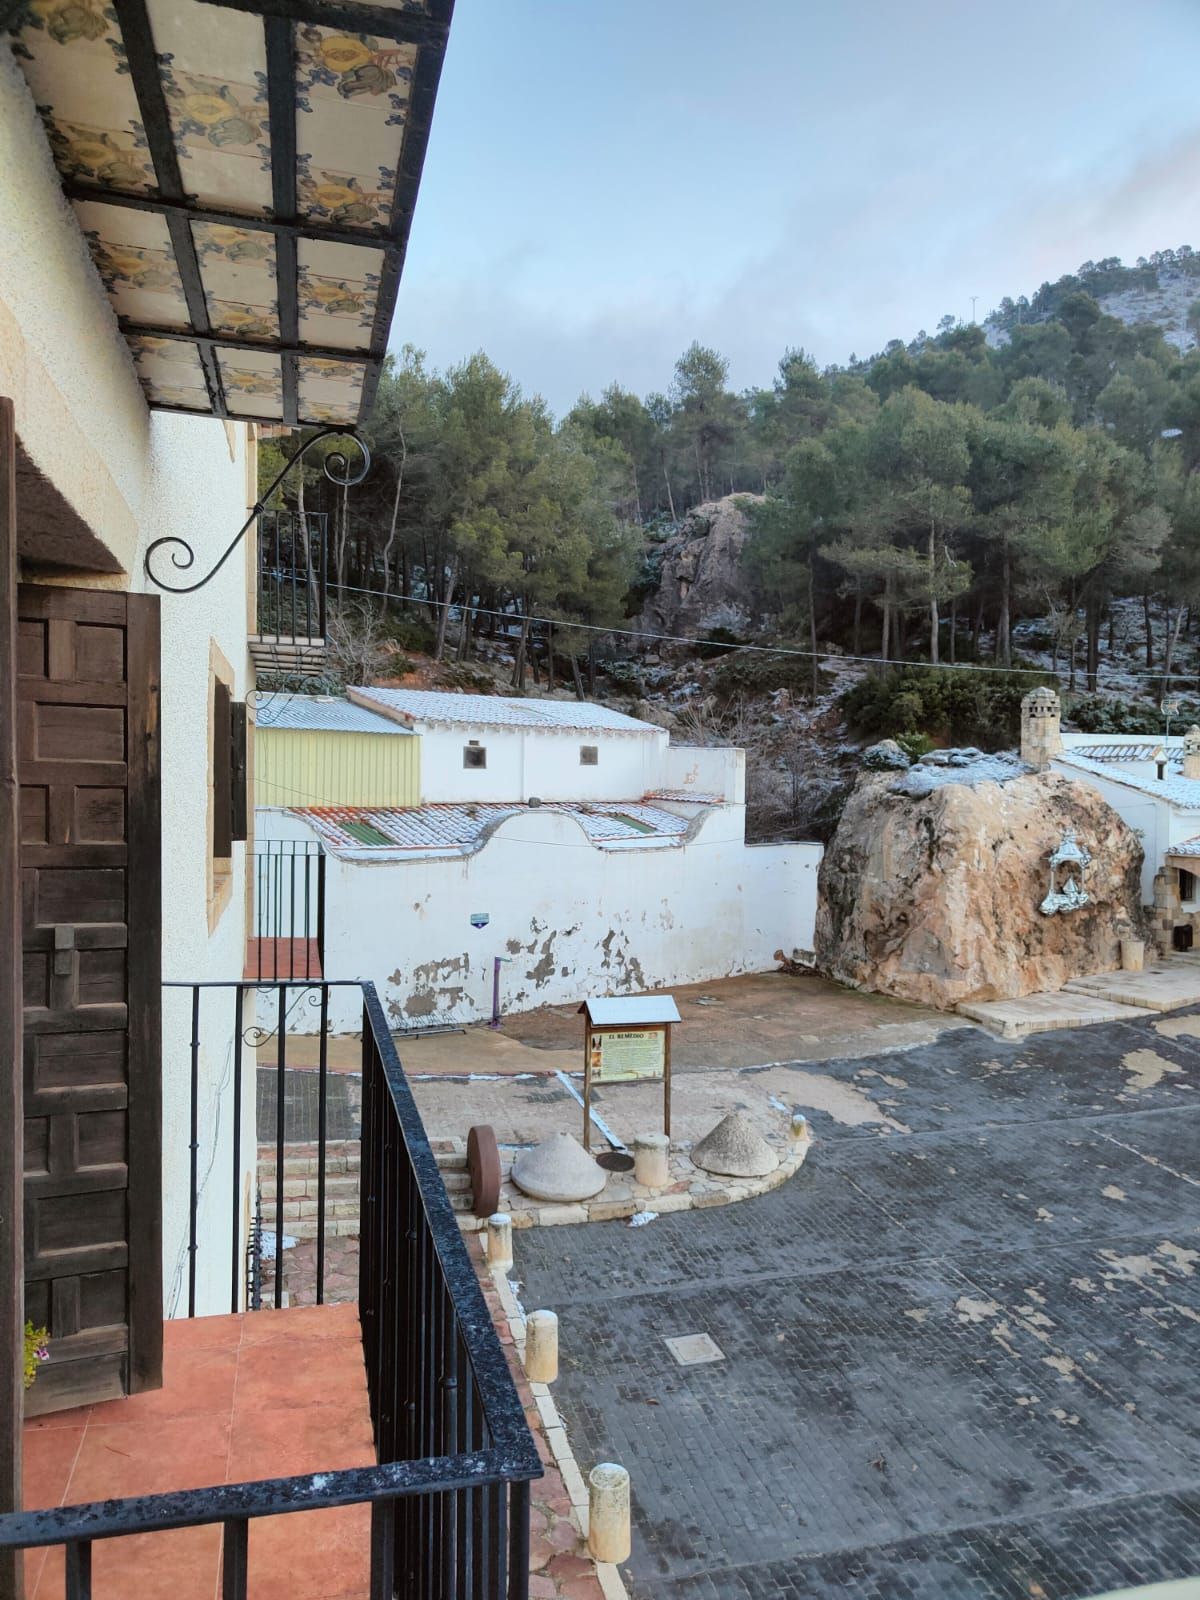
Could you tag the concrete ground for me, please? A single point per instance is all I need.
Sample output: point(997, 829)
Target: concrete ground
point(731, 1022)
point(730, 1028)
point(956, 1357)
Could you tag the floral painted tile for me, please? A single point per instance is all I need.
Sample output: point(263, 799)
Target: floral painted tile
point(73, 58)
point(132, 252)
point(348, 164)
point(253, 382)
point(338, 293)
point(237, 268)
point(214, 77)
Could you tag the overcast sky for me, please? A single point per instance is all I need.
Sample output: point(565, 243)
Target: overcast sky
point(608, 180)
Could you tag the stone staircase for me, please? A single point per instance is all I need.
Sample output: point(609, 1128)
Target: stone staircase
point(301, 1186)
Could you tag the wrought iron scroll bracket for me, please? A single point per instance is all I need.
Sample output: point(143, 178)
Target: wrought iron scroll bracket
point(336, 467)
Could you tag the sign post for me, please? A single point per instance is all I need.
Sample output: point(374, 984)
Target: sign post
point(627, 1040)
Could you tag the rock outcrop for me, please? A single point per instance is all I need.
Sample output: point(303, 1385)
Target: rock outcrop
point(931, 886)
point(701, 584)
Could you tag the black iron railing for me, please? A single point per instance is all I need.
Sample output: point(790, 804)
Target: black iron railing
point(450, 1494)
point(293, 575)
point(288, 939)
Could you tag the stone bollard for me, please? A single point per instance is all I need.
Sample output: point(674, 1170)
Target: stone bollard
point(801, 1132)
point(608, 1513)
point(1133, 955)
point(651, 1160)
point(499, 1240)
point(541, 1347)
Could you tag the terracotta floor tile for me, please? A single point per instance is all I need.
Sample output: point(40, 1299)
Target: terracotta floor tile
point(189, 1333)
point(278, 1443)
point(48, 1459)
point(181, 1564)
point(35, 1565)
point(150, 1457)
point(197, 1381)
point(314, 1555)
point(74, 1418)
point(310, 1372)
point(301, 1323)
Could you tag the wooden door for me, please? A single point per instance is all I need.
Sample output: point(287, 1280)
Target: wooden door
point(87, 738)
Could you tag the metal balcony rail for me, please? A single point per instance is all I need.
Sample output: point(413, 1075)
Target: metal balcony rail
point(450, 1496)
point(293, 575)
point(288, 941)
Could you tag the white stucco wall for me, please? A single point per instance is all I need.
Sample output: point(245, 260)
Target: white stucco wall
point(523, 762)
point(196, 488)
point(1152, 820)
point(571, 920)
point(132, 477)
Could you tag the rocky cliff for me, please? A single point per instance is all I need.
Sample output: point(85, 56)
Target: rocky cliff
point(931, 886)
point(701, 584)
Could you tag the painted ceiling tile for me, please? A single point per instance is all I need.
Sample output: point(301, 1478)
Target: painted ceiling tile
point(352, 93)
point(237, 267)
point(170, 371)
point(133, 255)
point(74, 62)
point(265, 406)
point(214, 76)
point(338, 293)
point(330, 391)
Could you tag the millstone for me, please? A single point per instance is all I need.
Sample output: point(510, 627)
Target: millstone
point(558, 1169)
point(735, 1149)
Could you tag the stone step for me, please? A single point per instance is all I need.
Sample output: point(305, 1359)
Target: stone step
point(339, 1223)
point(1040, 1013)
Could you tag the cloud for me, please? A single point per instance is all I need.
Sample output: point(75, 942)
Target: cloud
point(844, 271)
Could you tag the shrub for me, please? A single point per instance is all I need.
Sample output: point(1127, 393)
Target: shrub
point(717, 642)
point(758, 672)
point(1091, 714)
point(947, 707)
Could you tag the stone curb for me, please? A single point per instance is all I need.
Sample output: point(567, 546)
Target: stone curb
point(608, 1575)
point(690, 1189)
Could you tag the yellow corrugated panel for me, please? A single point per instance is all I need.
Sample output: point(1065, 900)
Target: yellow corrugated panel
point(295, 768)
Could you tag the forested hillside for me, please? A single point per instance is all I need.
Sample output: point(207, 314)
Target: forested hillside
point(919, 502)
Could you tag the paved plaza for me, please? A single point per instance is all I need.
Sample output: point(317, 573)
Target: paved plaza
point(958, 1356)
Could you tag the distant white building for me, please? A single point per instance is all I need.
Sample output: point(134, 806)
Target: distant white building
point(1153, 784)
point(576, 847)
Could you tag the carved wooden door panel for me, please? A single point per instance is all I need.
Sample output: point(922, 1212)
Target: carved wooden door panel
point(87, 708)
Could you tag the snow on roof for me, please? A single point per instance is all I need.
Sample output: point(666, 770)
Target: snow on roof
point(324, 713)
point(631, 1011)
point(499, 711)
point(1142, 751)
point(374, 833)
point(1181, 793)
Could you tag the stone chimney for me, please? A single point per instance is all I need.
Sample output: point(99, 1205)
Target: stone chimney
point(1041, 735)
point(1191, 753)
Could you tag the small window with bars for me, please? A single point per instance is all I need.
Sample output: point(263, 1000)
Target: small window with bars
point(1187, 886)
point(589, 755)
point(474, 754)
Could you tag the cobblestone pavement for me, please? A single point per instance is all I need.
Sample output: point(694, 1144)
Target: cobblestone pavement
point(960, 1350)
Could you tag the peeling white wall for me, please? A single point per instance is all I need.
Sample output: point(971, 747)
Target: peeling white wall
point(133, 476)
point(569, 919)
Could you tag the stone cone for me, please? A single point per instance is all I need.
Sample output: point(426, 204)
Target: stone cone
point(735, 1149)
point(558, 1169)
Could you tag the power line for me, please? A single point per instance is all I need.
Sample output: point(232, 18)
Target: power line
point(831, 656)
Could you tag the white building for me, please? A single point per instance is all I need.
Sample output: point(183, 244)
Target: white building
point(161, 296)
point(1154, 786)
point(576, 847)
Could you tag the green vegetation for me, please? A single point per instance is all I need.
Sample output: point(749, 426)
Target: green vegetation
point(918, 503)
point(921, 708)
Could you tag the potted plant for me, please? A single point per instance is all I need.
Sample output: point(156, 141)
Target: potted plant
point(36, 1351)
